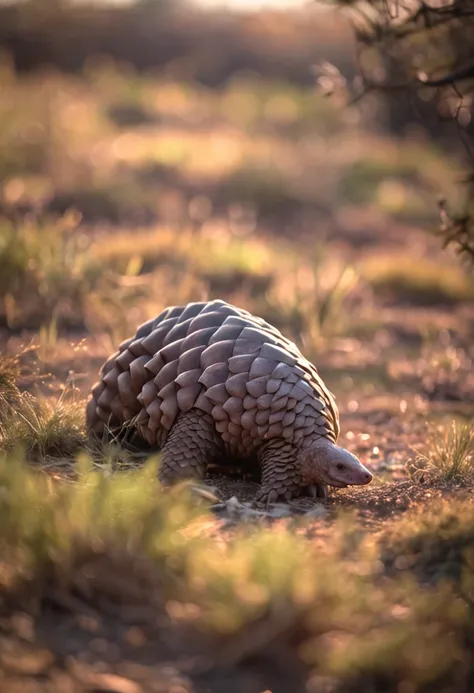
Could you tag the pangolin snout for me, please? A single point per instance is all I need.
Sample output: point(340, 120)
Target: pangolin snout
point(366, 477)
point(359, 476)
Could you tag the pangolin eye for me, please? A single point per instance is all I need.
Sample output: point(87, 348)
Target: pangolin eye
point(340, 466)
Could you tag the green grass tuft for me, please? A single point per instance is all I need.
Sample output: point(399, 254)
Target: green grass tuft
point(43, 428)
point(51, 525)
point(435, 544)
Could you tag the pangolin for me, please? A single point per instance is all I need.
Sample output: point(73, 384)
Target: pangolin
point(208, 383)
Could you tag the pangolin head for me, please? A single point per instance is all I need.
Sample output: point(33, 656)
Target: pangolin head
point(325, 462)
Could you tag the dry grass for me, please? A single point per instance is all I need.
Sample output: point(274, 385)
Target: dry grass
point(43, 428)
point(10, 371)
point(449, 454)
point(418, 280)
point(53, 279)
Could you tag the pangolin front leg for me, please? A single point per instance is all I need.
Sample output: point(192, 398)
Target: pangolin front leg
point(191, 444)
point(281, 478)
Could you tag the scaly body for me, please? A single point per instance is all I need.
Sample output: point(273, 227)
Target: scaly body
point(208, 381)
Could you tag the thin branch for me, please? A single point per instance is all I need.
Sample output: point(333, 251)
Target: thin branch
point(454, 76)
point(389, 30)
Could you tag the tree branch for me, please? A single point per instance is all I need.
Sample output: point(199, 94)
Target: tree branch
point(454, 76)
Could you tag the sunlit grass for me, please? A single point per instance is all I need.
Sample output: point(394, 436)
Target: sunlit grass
point(265, 187)
point(252, 103)
point(51, 275)
point(10, 370)
point(421, 280)
point(210, 250)
point(314, 295)
point(43, 427)
point(449, 453)
point(374, 162)
point(44, 266)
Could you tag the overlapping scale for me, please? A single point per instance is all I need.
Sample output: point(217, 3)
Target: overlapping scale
point(223, 361)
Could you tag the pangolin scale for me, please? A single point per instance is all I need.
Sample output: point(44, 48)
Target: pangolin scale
point(208, 381)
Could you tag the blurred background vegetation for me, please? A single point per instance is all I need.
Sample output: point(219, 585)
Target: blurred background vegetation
point(289, 161)
point(420, 54)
